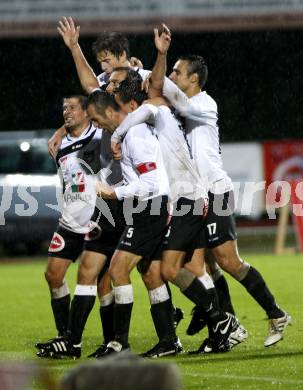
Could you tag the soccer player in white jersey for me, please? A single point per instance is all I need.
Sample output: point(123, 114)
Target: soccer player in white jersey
point(80, 158)
point(78, 204)
point(111, 50)
point(146, 185)
point(186, 229)
point(200, 110)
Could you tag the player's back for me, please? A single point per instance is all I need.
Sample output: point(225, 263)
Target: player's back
point(204, 135)
point(180, 166)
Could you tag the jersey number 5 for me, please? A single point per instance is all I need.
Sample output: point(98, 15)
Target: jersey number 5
point(130, 232)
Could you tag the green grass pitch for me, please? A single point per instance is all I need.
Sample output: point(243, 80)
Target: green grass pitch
point(25, 317)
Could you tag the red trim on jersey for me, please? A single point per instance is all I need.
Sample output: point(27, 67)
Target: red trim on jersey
point(146, 167)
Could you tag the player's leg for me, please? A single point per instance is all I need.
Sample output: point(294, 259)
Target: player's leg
point(220, 283)
point(161, 310)
point(64, 249)
point(85, 294)
point(122, 263)
point(197, 266)
point(228, 258)
point(106, 310)
point(60, 296)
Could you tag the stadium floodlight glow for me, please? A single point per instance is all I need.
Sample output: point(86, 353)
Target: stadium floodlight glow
point(25, 146)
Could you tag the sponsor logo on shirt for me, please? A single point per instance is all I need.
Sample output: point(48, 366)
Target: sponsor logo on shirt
point(79, 182)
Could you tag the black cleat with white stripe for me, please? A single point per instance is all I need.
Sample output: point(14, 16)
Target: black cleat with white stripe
point(164, 348)
point(59, 349)
point(46, 343)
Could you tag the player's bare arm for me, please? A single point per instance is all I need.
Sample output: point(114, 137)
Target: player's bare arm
point(70, 35)
point(162, 43)
point(55, 141)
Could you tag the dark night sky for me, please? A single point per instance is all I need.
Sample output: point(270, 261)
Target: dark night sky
point(255, 77)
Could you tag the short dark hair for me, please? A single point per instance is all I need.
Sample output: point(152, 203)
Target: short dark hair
point(131, 88)
point(81, 98)
point(113, 42)
point(102, 100)
point(196, 64)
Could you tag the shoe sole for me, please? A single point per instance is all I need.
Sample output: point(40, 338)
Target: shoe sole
point(159, 355)
point(52, 355)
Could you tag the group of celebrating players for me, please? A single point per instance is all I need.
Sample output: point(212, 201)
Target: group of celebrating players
point(143, 185)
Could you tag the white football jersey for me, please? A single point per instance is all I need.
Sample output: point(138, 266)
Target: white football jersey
point(202, 133)
point(82, 161)
point(78, 161)
point(142, 165)
point(183, 177)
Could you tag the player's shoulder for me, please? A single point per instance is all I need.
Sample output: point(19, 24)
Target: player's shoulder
point(89, 132)
point(204, 98)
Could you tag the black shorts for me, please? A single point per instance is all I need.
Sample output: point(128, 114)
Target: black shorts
point(144, 236)
point(186, 232)
point(220, 222)
point(66, 244)
point(102, 241)
point(105, 237)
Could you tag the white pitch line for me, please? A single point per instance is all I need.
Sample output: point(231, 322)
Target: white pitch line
point(247, 378)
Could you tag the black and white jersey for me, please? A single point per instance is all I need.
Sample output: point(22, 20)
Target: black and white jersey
point(78, 161)
point(110, 172)
point(202, 133)
point(142, 165)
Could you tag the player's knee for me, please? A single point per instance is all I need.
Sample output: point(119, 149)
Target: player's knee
point(118, 274)
point(53, 278)
point(168, 272)
point(241, 271)
point(86, 276)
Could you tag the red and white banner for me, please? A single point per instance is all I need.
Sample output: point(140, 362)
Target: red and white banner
point(283, 161)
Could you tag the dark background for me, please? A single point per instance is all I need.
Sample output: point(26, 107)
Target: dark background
point(255, 77)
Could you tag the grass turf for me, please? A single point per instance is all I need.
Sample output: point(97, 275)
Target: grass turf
point(26, 318)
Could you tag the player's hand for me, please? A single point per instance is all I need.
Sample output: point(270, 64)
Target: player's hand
point(135, 62)
point(54, 144)
point(68, 31)
point(116, 150)
point(163, 39)
point(205, 207)
point(104, 191)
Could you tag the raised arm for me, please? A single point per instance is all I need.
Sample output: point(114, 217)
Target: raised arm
point(162, 43)
point(70, 35)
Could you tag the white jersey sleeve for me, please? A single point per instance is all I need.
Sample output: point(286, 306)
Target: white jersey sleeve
point(144, 113)
point(185, 106)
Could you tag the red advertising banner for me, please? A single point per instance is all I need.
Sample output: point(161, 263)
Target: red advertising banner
point(283, 161)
